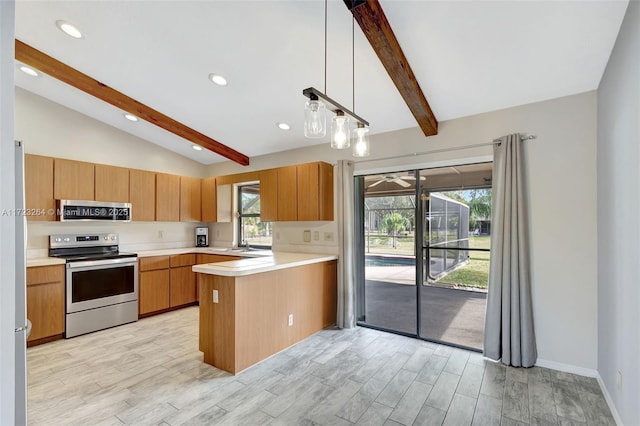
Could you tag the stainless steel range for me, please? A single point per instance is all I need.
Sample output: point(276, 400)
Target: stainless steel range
point(101, 281)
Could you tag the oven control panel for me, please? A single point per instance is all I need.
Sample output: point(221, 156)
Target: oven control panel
point(83, 240)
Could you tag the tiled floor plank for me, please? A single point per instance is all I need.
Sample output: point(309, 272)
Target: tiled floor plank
point(151, 372)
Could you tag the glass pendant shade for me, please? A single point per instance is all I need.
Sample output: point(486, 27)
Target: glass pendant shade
point(361, 141)
point(315, 119)
point(340, 131)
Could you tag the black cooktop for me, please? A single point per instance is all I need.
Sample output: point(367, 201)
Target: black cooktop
point(94, 256)
point(76, 254)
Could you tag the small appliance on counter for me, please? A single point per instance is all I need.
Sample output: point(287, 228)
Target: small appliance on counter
point(202, 237)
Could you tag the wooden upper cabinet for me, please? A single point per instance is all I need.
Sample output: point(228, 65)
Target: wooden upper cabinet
point(167, 198)
point(287, 194)
point(269, 195)
point(190, 195)
point(315, 191)
point(142, 194)
point(112, 183)
point(308, 189)
point(209, 201)
point(38, 177)
point(73, 180)
point(325, 186)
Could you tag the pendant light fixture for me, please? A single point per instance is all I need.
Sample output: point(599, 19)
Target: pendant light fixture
point(315, 110)
point(315, 118)
point(361, 134)
point(361, 141)
point(340, 131)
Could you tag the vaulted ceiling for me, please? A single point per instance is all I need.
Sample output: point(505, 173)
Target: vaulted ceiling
point(469, 57)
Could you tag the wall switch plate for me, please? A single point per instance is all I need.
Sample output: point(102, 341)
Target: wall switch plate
point(306, 236)
point(215, 296)
point(290, 320)
point(619, 380)
point(160, 235)
point(328, 236)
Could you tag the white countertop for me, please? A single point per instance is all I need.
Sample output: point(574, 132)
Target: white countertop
point(279, 260)
point(45, 261)
point(205, 250)
point(48, 261)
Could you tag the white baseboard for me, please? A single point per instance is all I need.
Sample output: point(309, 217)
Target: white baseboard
point(607, 397)
point(588, 372)
point(567, 368)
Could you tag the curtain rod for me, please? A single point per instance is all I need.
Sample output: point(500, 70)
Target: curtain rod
point(436, 151)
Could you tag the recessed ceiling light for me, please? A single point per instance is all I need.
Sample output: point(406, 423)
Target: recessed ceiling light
point(218, 79)
point(29, 71)
point(196, 147)
point(130, 117)
point(69, 29)
point(283, 126)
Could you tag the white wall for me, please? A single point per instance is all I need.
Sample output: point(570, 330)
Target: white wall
point(7, 223)
point(619, 221)
point(48, 128)
point(561, 173)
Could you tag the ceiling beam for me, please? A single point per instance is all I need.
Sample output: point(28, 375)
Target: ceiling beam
point(376, 28)
point(63, 72)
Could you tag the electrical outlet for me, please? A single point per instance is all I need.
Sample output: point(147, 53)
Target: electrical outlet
point(160, 235)
point(217, 234)
point(215, 296)
point(619, 380)
point(278, 236)
point(306, 236)
point(316, 235)
point(290, 320)
point(328, 236)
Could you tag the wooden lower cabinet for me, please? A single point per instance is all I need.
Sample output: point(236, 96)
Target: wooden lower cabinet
point(183, 286)
point(153, 291)
point(45, 303)
point(250, 321)
point(166, 282)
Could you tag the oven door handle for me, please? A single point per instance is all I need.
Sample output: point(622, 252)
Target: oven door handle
point(123, 261)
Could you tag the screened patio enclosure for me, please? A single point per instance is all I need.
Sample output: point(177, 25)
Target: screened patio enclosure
point(447, 224)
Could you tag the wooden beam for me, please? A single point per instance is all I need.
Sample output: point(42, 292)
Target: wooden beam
point(63, 72)
point(376, 28)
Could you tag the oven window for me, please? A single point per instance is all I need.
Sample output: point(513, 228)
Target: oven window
point(99, 283)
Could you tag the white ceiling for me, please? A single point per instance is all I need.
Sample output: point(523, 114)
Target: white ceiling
point(469, 57)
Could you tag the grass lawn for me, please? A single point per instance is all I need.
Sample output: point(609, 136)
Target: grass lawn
point(476, 272)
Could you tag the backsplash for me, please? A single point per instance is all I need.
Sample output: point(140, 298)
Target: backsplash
point(134, 236)
point(137, 236)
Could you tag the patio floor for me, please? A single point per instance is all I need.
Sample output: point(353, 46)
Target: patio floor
point(447, 315)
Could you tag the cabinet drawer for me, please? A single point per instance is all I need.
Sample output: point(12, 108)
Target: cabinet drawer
point(153, 263)
point(45, 274)
point(183, 260)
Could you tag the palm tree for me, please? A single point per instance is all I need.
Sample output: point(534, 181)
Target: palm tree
point(394, 222)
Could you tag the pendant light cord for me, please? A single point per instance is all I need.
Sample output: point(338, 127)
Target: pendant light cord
point(353, 64)
point(325, 46)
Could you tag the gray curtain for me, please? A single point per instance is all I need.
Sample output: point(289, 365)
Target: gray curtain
point(509, 335)
point(346, 282)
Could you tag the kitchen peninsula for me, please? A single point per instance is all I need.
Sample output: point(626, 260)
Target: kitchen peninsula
point(253, 308)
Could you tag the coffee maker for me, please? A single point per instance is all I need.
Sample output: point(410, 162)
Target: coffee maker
point(202, 237)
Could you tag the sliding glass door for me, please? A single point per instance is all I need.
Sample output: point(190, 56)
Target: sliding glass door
point(424, 252)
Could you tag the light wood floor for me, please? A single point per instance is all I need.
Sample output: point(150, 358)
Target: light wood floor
point(150, 372)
